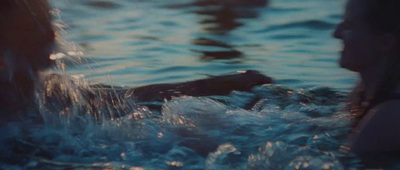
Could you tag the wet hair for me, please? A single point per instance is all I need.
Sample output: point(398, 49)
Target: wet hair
point(36, 34)
point(26, 37)
point(383, 16)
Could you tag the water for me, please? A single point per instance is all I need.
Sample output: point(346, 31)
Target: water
point(146, 42)
point(293, 124)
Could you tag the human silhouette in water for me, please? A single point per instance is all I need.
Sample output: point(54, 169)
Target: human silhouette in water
point(370, 32)
point(27, 39)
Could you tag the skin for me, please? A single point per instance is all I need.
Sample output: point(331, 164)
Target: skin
point(360, 50)
point(367, 53)
point(26, 43)
point(363, 52)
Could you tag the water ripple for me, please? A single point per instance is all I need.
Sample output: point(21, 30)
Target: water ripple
point(309, 24)
point(103, 4)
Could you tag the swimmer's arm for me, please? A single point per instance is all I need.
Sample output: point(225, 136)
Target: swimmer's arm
point(379, 130)
point(218, 85)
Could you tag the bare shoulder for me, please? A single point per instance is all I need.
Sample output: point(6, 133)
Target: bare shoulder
point(379, 130)
point(388, 112)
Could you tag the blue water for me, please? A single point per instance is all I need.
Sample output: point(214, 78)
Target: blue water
point(295, 123)
point(146, 42)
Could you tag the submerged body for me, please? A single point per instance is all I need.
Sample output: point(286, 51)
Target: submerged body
point(199, 130)
point(26, 42)
point(370, 34)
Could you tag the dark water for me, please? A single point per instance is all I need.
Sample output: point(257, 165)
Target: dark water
point(294, 124)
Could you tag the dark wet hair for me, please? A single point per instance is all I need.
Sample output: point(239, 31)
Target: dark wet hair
point(39, 34)
point(26, 35)
point(383, 16)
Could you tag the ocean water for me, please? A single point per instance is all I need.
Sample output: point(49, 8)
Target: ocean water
point(295, 123)
point(145, 42)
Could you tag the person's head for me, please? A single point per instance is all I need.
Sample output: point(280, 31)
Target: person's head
point(26, 40)
point(370, 32)
point(26, 32)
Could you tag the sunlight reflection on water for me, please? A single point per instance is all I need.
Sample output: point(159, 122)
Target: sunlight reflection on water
point(294, 123)
point(282, 40)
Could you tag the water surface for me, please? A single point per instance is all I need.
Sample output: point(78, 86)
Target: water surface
point(292, 124)
point(146, 42)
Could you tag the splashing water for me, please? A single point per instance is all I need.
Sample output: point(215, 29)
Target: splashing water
point(93, 127)
point(85, 126)
point(271, 127)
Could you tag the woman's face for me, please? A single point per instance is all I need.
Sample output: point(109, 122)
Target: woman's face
point(360, 45)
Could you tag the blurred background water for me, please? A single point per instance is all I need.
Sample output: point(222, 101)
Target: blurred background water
point(145, 42)
point(292, 124)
